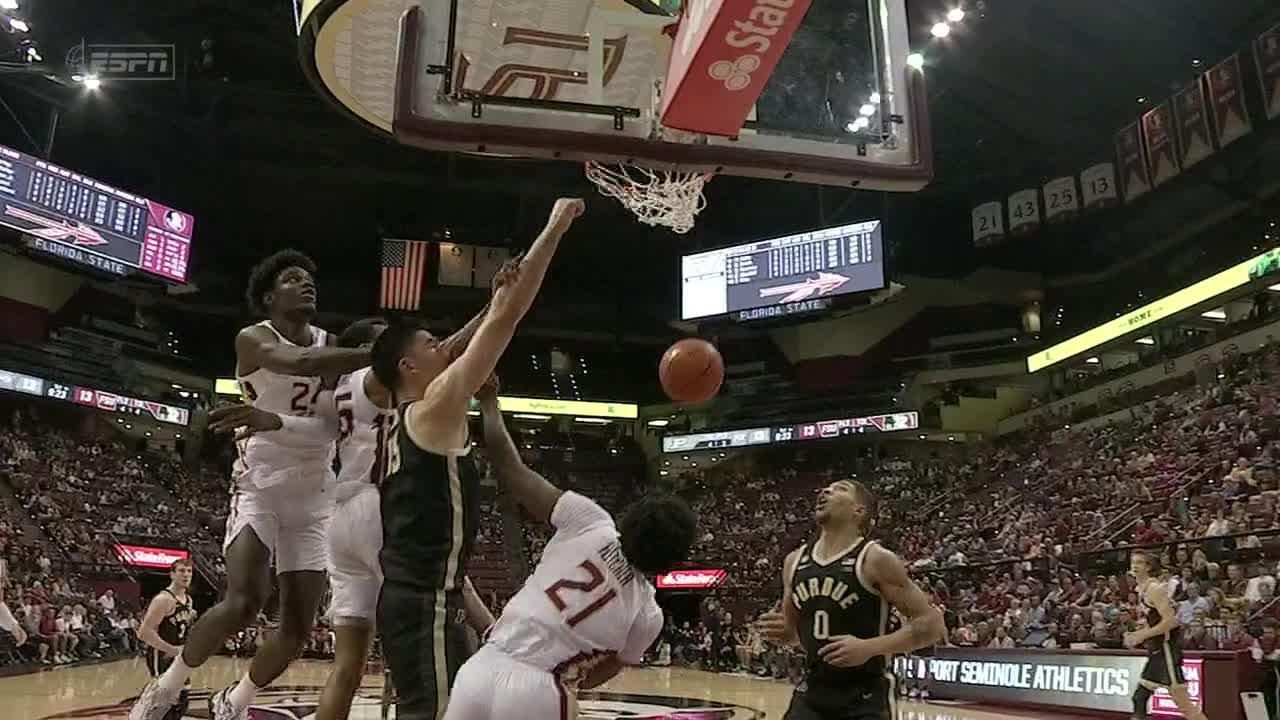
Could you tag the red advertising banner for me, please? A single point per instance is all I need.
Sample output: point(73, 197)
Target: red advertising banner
point(1226, 95)
point(1161, 702)
point(691, 579)
point(1266, 52)
point(149, 557)
point(1194, 139)
point(1134, 178)
point(723, 55)
point(1161, 155)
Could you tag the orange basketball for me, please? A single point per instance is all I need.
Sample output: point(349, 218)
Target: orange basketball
point(691, 371)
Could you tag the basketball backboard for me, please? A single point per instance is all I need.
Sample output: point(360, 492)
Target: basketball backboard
point(582, 80)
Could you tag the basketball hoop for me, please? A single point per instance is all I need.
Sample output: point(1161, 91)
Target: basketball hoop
point(656, 197)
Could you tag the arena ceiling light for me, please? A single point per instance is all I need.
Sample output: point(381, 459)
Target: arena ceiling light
point(916, 60)
point(1214, 314)
point(591, 421)
point(1146, 340)
point(531, 416)
point(955, 15)
point(1093, 360)
point(661, 422)
point(940, 30)
point(1274, 288)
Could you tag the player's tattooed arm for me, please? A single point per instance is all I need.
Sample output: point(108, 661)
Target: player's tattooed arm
point(258, 347)
point(530, 489)
point(922, 622)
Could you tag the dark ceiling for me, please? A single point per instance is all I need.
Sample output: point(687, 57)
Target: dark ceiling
point(1022, 91)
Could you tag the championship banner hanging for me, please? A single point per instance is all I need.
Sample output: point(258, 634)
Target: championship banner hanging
point(1061, 202)
point(1161, 156)
point(1098, 186)
point(1266, 53)
point(1134, 178)
point(1024, 212)
point(1230, 117)
point(1194, 141)
point(988, 224)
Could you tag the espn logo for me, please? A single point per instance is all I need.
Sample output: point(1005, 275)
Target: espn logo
point(124, 62)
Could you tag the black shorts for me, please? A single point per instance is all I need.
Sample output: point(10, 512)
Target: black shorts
point(1164, 664)
point(424, 641)
point(868, 703)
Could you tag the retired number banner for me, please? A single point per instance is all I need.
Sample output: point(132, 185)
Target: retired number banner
point(1226, 96)
point(1024, 212)
point(1098, 186)
point(1266, 52)
point(1157, 124)
point(1194, 139)
point(988, 224)
point(1135, 181)
point(1060, 199)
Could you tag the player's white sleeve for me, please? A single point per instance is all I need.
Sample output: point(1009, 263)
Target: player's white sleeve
point(643, 632)
point(575, 513)
point(321, 426)
point(8, 622)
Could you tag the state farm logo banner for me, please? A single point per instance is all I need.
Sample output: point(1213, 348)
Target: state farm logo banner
point(724, 53)
point(1038, 677)
point(691, 579)
point(149, 557)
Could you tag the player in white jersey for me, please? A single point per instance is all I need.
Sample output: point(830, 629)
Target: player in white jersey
point(361, 418)
point(8, 622)
point(283, 492)
point(587, 610)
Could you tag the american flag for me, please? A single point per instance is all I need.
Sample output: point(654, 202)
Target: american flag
point(404, 265)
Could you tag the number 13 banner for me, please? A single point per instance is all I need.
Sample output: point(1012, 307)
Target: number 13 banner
point(1098, 186)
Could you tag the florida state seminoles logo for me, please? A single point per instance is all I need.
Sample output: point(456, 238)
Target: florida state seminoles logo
point(299, 703)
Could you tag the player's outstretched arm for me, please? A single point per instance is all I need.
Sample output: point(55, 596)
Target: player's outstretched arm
point(161, 606)
point(534, 492)
point(479, 617)
point(258, 347)
point(922, 624)
point(512, 300)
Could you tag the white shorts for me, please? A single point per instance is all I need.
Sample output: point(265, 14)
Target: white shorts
point(355, 539)
point(493, 686)
point(292, 523)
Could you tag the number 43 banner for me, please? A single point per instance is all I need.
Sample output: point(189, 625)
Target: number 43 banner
point(1024, 211)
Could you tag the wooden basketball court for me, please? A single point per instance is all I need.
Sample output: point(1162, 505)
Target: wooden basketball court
point(103, 692)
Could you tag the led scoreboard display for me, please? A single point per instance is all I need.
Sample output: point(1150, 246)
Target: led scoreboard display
point(889, 422)
point(101, 399)
point(784, 275)
point(77, 218)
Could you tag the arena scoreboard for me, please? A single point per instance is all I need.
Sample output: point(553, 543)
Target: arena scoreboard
point(821, 429)
point(77, 218)
point(11, 381)
point(784, 275)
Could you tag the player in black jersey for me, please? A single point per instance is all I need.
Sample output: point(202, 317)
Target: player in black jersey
point(836, 596)
point(164, 627)
point(430, 497)
point(1162, 638)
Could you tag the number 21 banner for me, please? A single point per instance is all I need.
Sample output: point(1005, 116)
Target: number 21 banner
point(988, 224)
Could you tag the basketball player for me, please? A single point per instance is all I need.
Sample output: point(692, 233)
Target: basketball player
point(1163, 639)
point(430, 502)
point(8, 622)
point(586, 611)
point(360, 420)
point(836, 596)
point(165, 626)
point(283, 492)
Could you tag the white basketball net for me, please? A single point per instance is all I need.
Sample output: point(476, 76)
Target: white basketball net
point(656, 197)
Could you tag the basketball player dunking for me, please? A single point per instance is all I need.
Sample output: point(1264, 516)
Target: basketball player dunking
point(586, 611)
point(1163, 639)
point(430, 503)
point(360, 420)
point(165, 626)
point(283, 492)
point(836, 596)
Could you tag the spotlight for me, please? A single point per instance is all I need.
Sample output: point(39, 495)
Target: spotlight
point(874, 98)
point(916, 60)
point(1142, 99)
point(92, 82)
point(940, 30)
point(8, 4)
point(19, 25)
point(956, 15)
point(867, 110)
point(33, 55)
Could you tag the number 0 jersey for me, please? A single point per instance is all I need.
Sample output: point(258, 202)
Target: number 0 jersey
point(268, 459)
point(834, 599)
point(583, 600)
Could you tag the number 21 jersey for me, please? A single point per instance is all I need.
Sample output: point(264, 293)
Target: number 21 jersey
point(583, 600)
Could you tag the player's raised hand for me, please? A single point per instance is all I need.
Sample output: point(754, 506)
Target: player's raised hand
point(245, 420)
point(508, 274)
point(566, 210)
point(488, 392)
point(846, 651)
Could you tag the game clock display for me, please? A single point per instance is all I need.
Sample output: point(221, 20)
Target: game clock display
point(80, 219)
point(796, 273)
point(111, 402)
point(888, 422)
